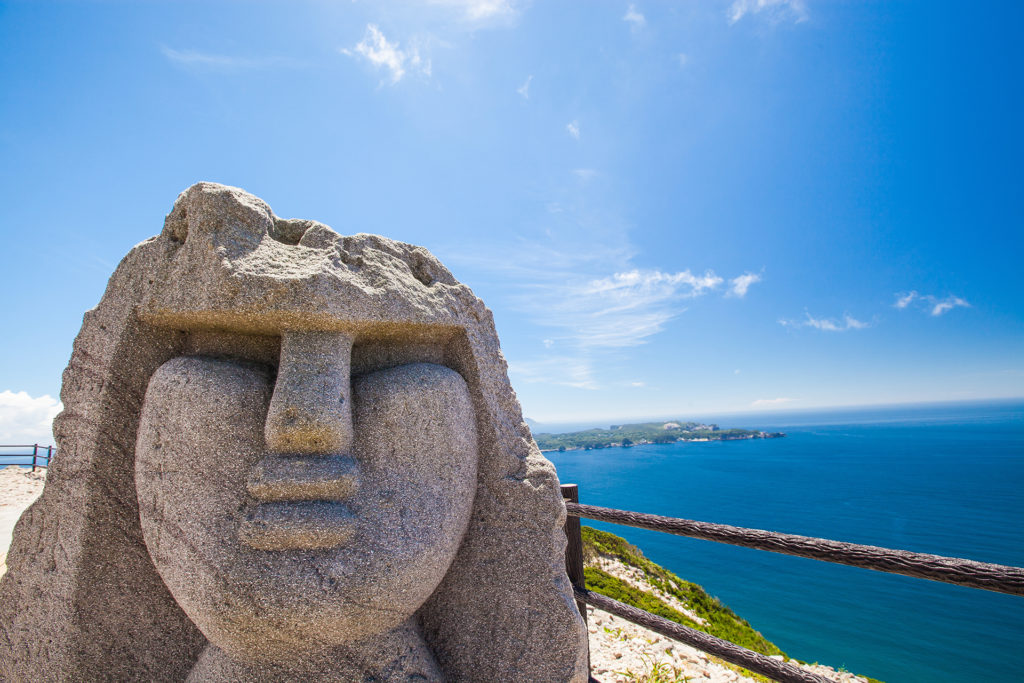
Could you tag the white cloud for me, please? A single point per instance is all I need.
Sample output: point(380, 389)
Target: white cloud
point(948, 304)
point(570, 371)
point(736, 371)
point(593, 318)
point(848, 322)
point(638, 384)
point(24, 419)
point(771, 402)
point(572, 277)
point(381, 53)
point(194, 58)
point(776, 9)
point(524, 89)
point(622, 309)
point(683, 59)
point(740, 284)
point(584, 174)
point(482, 11)
point(574, 129)
point(637, 282)
point(904, 300)
point(932, 304)
point(634, 18)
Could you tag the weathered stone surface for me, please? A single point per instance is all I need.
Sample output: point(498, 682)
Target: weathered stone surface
point(288, 455)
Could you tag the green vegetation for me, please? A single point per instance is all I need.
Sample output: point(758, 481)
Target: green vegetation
point(719, 620)
point(646, 432)
point(656, 671)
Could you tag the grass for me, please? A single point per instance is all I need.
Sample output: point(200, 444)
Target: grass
point(656, 671)
point(719, 620)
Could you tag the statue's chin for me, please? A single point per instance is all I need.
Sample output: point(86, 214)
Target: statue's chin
point(397, 654)
point(300, 630)
point(293, 604)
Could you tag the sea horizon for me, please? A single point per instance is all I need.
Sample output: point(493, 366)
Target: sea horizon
point(942, 478)
point(760, 419)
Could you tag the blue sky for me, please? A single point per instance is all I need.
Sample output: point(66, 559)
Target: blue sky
point(672, 208)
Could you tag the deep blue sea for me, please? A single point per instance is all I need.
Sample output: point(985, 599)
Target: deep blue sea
point(945, 479)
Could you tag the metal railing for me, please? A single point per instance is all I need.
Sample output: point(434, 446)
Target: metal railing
point(982, 575)
point(38, 457)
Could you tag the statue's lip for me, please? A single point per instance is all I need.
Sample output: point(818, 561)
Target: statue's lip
point(282, 477)
point(297, 525)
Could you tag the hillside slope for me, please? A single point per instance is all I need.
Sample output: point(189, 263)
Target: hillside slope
point(621, 651)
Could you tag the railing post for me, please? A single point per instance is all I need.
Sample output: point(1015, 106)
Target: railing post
point(35, 454)
point(49, 456)
point(574, 559)
point(574, 547)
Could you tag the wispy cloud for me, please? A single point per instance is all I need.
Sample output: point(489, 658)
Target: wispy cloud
point(739, 285)
point(622, 309)
point(524, 89)
point(634, 18)
point(484, 12)
point(597, 316)
point(640, 281)
point(573, 127)
point(948, 304)
point(376, 49)
point(209, 60)
point(904, 300)
point(775, 9)
point(27, 419)
point(570, 371)
point(683, 59)
point(584, 174)
point(771, 402)
point(573, 278)
point(932, 304)
point(592, 319)
point(847, 322)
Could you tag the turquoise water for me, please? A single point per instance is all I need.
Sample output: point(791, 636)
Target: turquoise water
point(943, 479)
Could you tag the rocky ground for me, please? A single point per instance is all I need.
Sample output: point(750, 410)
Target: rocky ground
point(622, 651)
point(19, 486)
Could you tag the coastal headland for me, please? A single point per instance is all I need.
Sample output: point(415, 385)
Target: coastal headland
point(627, 435)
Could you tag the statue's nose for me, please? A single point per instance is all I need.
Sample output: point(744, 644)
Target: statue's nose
point(298, 485)
point(310, 411)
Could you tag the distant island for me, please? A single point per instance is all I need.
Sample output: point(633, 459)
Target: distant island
point(645, 433)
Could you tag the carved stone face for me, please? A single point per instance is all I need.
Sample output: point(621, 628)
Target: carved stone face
point(287, 516)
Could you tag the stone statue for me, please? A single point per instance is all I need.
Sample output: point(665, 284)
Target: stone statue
point(288, 455)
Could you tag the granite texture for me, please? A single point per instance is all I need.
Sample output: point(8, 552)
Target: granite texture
point(288, 455)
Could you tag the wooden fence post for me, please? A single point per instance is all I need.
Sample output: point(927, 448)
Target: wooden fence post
point(35, 454)
point(574, 548)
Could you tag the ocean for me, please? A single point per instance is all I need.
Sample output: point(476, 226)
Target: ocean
point(944, 478)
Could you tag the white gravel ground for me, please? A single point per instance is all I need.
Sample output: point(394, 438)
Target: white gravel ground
point(623, 651)
point(19, 487)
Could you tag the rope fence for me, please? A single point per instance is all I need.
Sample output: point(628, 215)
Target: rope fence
point(991, 577)
point(981, 575)
point(741, 656)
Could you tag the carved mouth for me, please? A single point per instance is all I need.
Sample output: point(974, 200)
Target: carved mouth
point(301, 525)
point(298, 504)
point(303, 477)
